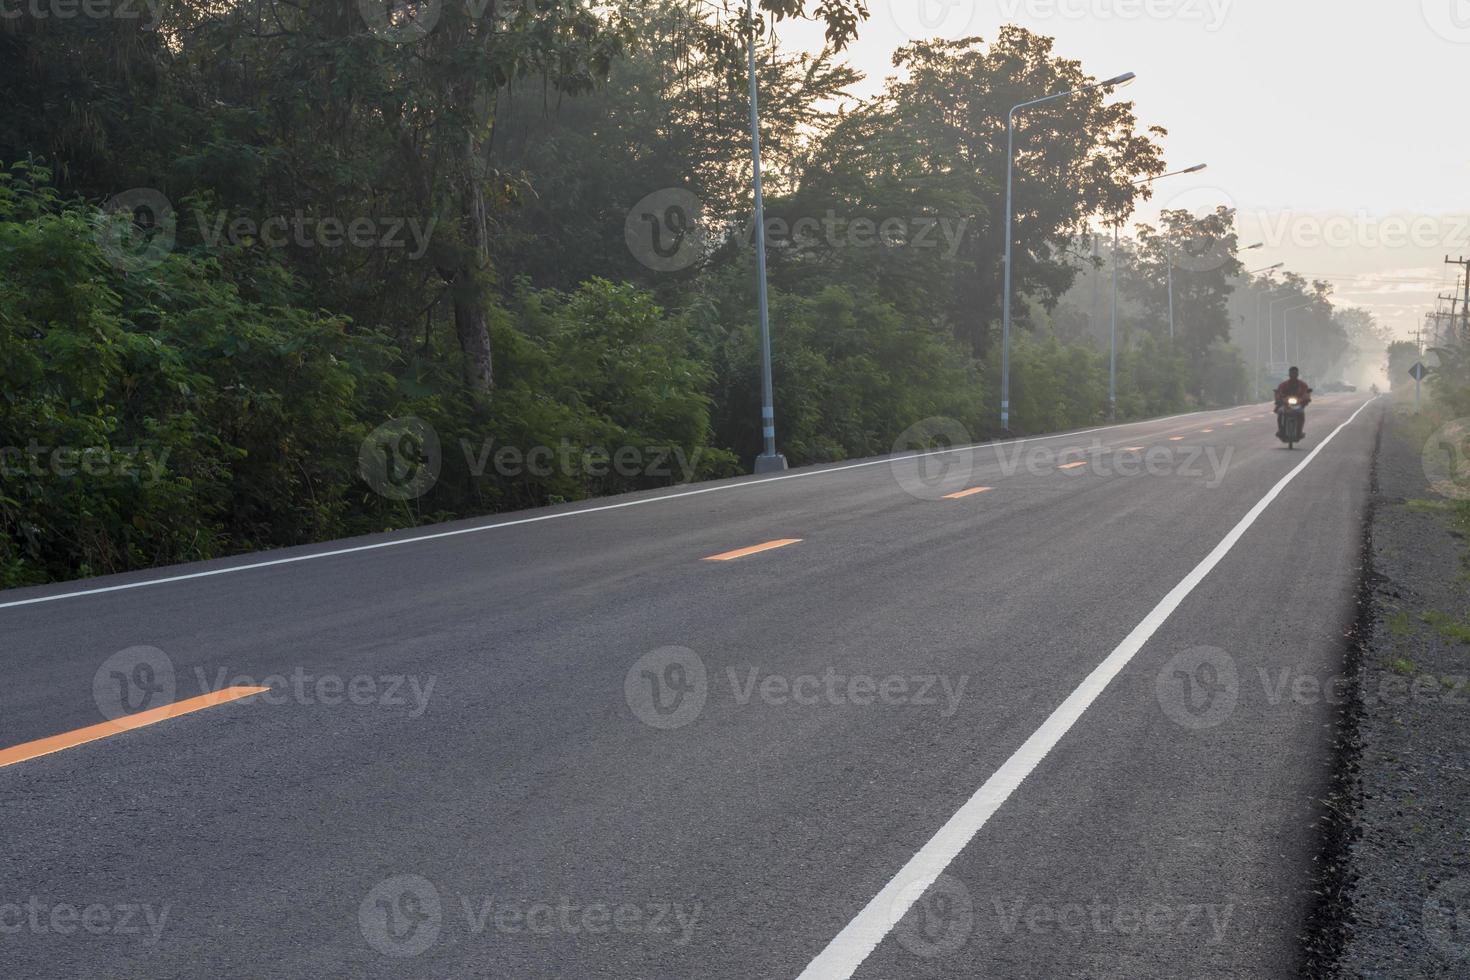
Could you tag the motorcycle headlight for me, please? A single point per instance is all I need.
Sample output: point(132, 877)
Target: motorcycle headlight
point(1293, 402)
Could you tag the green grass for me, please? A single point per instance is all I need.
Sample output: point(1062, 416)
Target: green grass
point(1404, 666)
point(1400, 624)
point(1448, 626)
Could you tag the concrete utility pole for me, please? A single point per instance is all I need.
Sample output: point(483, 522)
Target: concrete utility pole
point(1453, 316)
point(1005, 329)
point(1096, 282)
point(1465, 309)
point(769, 461)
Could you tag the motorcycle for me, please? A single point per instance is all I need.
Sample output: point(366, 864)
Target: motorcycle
point(1293, 420)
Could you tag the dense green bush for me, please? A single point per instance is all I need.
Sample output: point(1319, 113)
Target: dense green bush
point(163, 415)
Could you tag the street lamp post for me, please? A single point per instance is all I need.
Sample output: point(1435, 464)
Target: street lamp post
point(1169, 251)
point(1285, 353)
point(1271, 323)
point(1113, 341)
point(1113, 338)
point(768, 461)
point(1169, 258)
point(1260, 360)
point(1168, 242)
point(1005, 341)
point(1284, 324)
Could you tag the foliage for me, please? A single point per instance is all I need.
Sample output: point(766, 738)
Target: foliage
point(517, 138)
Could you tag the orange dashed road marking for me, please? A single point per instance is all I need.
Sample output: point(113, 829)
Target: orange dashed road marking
point(1176, 438)
point(967, 493)
point(1133, 449)
point(1072, 466)
point(1207, 430)
point(754, 550)
point(81, 736)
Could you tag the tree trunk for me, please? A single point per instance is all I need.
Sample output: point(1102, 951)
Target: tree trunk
point(474, 340)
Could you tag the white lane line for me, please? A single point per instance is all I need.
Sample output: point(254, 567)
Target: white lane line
point(853, 944)
point(480, 528)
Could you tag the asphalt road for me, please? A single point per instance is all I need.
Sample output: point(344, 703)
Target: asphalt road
point(564, 744)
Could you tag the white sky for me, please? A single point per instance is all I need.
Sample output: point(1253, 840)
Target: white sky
point(1340, 130)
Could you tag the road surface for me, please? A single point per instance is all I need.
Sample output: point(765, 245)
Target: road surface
point(1054, 708)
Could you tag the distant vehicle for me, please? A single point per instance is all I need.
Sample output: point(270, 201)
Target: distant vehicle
point(1293, 422)
point(1338, 387)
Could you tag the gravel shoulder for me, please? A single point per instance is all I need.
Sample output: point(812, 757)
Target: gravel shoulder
point(1403, 888)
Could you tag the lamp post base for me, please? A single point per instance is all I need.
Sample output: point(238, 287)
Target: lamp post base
point(769, 464)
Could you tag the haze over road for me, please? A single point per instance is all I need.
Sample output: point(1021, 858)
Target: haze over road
point(565, 744)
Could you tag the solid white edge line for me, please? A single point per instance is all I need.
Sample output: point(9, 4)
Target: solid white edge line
point(480, 528)
point(847, 951)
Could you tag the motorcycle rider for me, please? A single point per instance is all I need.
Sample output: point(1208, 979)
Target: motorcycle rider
point(1292, 387)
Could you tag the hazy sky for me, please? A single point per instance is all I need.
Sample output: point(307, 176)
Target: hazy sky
point(1338, 129)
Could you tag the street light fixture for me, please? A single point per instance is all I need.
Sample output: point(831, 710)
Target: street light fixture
point(1005, 341)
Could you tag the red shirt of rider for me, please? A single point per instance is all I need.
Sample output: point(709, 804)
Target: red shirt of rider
point(1294, 388)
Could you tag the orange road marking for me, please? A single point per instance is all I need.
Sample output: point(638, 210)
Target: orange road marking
point(1207, 430)
point(81, 736)
point(1072, 466)
point(967, 493)
point(1133, 449)
point(755, 550)
point(1176, 438)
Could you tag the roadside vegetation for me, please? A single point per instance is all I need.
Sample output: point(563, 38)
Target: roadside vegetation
point(235, 242)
